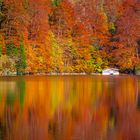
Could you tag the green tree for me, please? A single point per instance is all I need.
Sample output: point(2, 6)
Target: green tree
point(55, 3)
point(21, 62)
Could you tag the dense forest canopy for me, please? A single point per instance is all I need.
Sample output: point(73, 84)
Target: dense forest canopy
point(69, 35)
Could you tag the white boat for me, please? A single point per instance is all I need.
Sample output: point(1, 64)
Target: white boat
point(110, 71)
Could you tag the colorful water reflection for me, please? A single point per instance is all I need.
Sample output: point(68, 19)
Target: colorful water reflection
point(70, 108)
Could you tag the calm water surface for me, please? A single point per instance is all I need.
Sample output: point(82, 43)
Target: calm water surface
point(70, 108)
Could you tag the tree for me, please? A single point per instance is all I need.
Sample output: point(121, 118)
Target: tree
point(21, 62)
point(127, 35)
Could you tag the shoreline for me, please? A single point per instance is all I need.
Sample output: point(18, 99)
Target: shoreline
point(48, 74)
point(62, 74)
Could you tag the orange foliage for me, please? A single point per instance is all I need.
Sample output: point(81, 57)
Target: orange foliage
point(83, 30)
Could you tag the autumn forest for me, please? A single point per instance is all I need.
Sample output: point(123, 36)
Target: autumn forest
point(69, 35)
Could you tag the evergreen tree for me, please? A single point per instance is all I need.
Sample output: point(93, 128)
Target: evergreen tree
point(21, 63)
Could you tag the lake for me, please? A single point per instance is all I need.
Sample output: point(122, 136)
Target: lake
point(70, 108)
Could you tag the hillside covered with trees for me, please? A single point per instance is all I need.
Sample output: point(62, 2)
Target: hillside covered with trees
point(69, 35)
